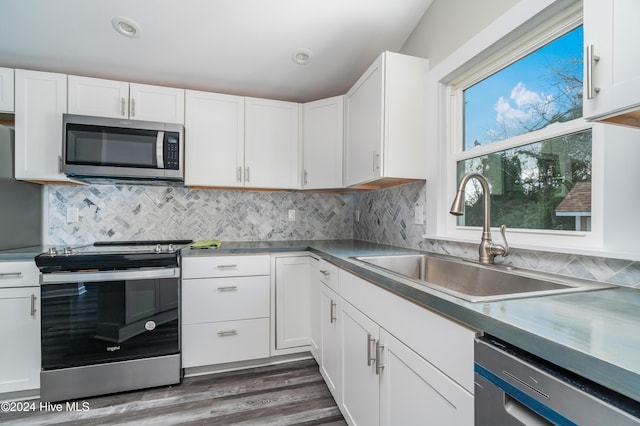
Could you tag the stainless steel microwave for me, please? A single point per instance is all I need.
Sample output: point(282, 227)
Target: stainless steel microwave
point(98, 147)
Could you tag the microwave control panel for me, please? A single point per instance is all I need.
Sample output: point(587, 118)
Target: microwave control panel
point(171, 151)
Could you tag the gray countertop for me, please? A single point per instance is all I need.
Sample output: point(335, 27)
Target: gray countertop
point(594, 334)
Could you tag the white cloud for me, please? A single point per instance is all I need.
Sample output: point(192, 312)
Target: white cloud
point(523, 107)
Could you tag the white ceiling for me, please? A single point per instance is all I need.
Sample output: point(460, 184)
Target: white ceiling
point(241, 47)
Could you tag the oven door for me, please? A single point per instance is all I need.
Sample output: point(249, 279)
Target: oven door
point(100, 317)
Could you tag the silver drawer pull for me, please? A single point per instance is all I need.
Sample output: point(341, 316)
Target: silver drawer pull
point(229, 266)
point(223, 333)
point(10, 274)
point(228, 288)
point(325, 273)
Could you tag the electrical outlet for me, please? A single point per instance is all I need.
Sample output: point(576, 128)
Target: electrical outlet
point(72, 214)
point(292, 215)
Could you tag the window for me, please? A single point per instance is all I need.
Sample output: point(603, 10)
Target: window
point(522, 129)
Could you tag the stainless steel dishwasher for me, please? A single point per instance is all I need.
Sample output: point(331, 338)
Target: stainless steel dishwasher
point(513, 387)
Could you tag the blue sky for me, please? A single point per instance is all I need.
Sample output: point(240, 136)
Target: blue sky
point(510, 93)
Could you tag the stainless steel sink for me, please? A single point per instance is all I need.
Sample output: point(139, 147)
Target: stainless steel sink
point(478, 283)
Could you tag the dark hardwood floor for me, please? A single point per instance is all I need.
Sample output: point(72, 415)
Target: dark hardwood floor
point(286, 394)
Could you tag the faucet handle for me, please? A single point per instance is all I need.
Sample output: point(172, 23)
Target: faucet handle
point(503, 231)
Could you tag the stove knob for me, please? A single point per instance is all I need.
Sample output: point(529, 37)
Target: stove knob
point(67, 251)
point(170, 249)
point(53, 251)
point(158, 248)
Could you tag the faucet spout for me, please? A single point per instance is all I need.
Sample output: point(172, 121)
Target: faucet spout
point(488, 250)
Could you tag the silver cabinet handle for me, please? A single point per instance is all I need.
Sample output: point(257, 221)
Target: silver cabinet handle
point(591, 62)
point(10, 274)
point(133, 107)
point(306, 177)
point(228, 288)
point(33, 305)
point(379, 365)
point(59, 163)
point(370, 342)
point(122, 105)
point(239, 174)
point(332, 312)
point(224, 333)
point(227, 266)
point(246, 174)
point(325, 272)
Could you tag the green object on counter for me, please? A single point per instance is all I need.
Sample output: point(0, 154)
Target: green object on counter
point(205, 244)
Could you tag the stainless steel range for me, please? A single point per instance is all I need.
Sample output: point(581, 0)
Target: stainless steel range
point(110, 317)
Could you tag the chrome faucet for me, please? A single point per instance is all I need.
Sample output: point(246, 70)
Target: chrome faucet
point(488, 249)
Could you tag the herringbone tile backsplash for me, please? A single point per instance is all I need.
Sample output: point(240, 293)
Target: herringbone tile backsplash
point(127, 212)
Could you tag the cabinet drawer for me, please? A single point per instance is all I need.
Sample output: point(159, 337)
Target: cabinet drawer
point(19, 274)
point(225, 266)
point(220, 342)
point(224, 299)
point(328, 274)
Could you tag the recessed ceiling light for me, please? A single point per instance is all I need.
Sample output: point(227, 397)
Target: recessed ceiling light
point(126, 27)
point(301, 56)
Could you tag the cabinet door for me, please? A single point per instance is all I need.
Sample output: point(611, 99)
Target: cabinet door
point(271, 144)
point(41, 99)
point(414, 392)
point(360, 381)
point(364, 126)
point(611, 30)
point(214, 144)
point(292, 301)
point(330, 321)
point(323, 143)
point(20, 334)
point(6, 90)
point(99, 97)
point(156, 103)
point(315, 330)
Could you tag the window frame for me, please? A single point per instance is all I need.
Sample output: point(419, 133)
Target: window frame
point(493, 50)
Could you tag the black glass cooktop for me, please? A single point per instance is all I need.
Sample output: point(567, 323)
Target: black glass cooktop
point(112, 255)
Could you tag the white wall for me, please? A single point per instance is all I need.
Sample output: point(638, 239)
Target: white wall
point(448, 24)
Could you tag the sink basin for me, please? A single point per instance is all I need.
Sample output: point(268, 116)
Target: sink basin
point(478, 283)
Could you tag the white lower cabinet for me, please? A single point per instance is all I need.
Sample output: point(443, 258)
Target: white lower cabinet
point(292, 302)
point(330, 320)
point(398, 363)
point(19, 327)
point(225, 309)
point(413, 391)
point(360, 373)
point(315, 330)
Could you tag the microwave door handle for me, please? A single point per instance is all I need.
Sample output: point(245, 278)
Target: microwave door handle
point(160, 150)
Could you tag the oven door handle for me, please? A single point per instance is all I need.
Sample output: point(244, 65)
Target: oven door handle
point(140, 274)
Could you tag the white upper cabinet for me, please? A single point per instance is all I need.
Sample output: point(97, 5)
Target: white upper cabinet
point(323, 143)
point(98, 97)
point(214, 145)
point(6, 90)
point(612, 66)
point(118, 99)
point(271, 150)
point(385, 121)
point(41, 99)
point(156, 103)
